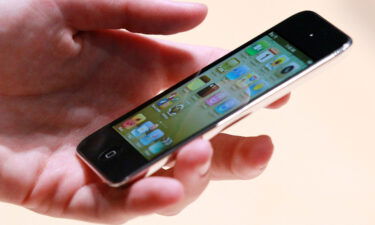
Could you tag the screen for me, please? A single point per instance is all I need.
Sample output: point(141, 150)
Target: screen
point(211, 95)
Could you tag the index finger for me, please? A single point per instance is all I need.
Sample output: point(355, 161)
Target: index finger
point(144, 16)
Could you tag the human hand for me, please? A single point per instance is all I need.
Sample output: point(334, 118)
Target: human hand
point(66, 69)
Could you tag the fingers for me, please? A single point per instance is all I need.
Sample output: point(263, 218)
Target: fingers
point(144, 16)
point(234, 158)
point(240, 157)
point(191, 169)
point(152, 194)
point(99, 203)
point(280, 102)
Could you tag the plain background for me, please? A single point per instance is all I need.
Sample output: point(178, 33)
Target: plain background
point(322, 171)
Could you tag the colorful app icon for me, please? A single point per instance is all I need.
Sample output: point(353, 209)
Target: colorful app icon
point(175, 109)
point(265, 56)
point(220, 69)
point(280, 60)
point(173, 97)
point(213, 100)
point(151, 137)
point(128, 124)
point(238, 72)
point(257, 47)
point(165, 102)
point(228, 65)
point(288, 69)
point(246, 81)
point(156, 148)
point(208, 90)
point(134, 121)
point(144, 128)
point(258, 88)
point(227, 105)
point(274, 51)
point(167, 141)
point(198, 82)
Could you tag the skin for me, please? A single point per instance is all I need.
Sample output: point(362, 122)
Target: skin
point(66, 69)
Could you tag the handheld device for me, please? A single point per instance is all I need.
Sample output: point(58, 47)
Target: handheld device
point(252, 76)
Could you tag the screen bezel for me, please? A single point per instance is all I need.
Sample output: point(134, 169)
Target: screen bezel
point(296, 30)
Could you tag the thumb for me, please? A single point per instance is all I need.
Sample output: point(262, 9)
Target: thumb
point(143, 16)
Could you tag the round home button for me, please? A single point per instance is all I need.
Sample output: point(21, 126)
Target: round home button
point(110, 154)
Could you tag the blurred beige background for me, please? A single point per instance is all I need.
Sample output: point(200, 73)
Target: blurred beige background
point(322, 171)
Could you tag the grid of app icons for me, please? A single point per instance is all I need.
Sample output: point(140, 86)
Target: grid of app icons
point(209, 96)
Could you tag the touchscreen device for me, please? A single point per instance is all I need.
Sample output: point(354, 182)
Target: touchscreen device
point(252, 76)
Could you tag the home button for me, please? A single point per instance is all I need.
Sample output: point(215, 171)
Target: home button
point(108, 155)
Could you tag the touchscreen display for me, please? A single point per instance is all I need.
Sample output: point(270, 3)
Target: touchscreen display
point(212, 94)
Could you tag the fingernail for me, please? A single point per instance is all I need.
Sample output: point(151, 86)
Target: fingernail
point(188, 3)
point(203, 170)
point(262, 167)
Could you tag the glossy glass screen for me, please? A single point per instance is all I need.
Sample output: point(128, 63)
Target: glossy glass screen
point(213, 94)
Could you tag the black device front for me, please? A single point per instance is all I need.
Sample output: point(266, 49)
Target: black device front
point(148, 133)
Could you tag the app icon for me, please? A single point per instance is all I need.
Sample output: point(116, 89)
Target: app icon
point(159, 146)
point(173, 97)
point(165, 102)
point(288, 69)
point(220, 69)
point(274, 51)
point(151, 137)
point(238, 72)
point(247, 80)
point(280, 60)
point(265, 56)
point(167, 141)
point(257, 47)
point(213, 100)
point(175, 109)
point(257, 88)
point(144, 128)
point(132, 122)
point(227, 105)
point(156, 148)
point(198, 82)
point(208, 90)
point(128, 124)
point(228, 65)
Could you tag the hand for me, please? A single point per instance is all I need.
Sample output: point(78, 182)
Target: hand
point(67, 69)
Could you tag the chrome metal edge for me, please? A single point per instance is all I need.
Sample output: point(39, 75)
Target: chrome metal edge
point(147, 171)
point(99, 174)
